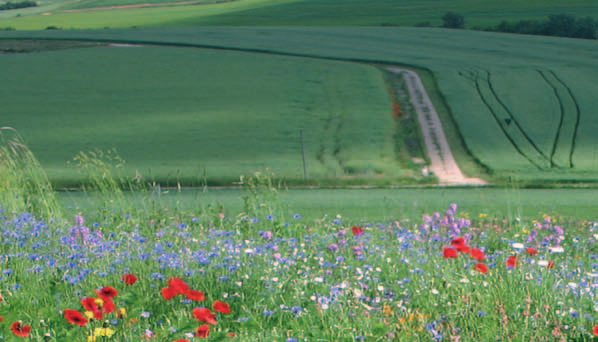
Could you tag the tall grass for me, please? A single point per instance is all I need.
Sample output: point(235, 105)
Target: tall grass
point(24, 185)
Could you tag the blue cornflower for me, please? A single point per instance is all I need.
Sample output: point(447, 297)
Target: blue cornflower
point(267, 312)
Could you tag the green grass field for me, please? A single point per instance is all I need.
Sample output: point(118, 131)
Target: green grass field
point(543, 131)
point(375, 205)
point(481, 13)
point(176, 115)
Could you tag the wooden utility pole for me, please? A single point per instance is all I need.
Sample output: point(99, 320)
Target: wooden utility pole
point(303, 154)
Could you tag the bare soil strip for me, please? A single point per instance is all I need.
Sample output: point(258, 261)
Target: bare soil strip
point(442, 162)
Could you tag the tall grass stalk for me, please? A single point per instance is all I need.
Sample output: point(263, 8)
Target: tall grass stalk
point(24, 185)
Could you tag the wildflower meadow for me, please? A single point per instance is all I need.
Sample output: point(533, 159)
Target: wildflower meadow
point(120, 272)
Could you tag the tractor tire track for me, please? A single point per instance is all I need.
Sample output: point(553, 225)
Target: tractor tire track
point(499, 122)
point(577, 116)
point(561, 116)
point(569, 122)
point(516, 122)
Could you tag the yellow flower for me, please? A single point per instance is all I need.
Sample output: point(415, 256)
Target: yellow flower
point(103, 332)
point(387, 309)
point(88, 314)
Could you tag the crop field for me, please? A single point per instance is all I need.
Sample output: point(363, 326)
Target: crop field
point(478, 13)
point(541, 131)
point(184, 116)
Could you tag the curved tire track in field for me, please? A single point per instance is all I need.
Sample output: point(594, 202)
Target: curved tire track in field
point(577, 116)
point(555, 143)
point(515, 121)
point(442, 162)
point(475, 78)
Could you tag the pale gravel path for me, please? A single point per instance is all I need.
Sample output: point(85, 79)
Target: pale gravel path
point(442, 162)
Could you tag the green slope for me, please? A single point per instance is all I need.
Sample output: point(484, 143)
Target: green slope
point(173, 113)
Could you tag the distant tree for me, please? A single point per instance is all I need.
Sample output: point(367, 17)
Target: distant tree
point(562, 25)
point(586, 28)
point(453, 20)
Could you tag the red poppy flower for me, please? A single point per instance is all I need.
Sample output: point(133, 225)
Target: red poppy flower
point(463, 248)
point(512, 261)
point(89, 303)
point(481, 267)
point(75, 317)
point(108, 305)
point(595, 330)
point(449, 252)
point(178, 284)
point(357, 230)
point(221, 307)
point(129, 278)
point(531, 251)
point(20, 329)
point(168, 293)
point(181, 340)
point(202, 331)
point(195, 295)
point(107, 292)
point(458, 241)
point(204, 315)
point(477, 254)
point(1, 318)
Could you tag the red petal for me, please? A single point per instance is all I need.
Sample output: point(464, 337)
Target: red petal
point(356, 230)
point(107, 292)
point(195, 295)
point(221, 307)
point(89, 303)
point(178, 284)
point(449, 252)
point(129, 278)
point(459, 240)
point(75, 317)
point(168, 293)
point(481, 267)
point(477, 254)
point(202, 331)
point(204, 315)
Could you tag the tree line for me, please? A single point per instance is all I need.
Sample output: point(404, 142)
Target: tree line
point(16, 5)
point(559, 25)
